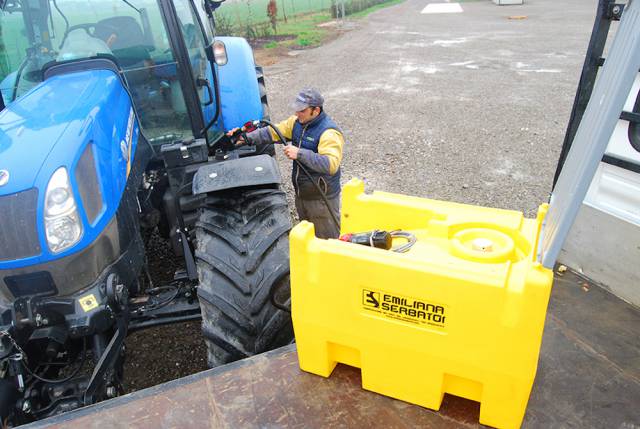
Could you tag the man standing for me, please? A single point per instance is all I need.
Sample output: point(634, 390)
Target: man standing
point(317, 144)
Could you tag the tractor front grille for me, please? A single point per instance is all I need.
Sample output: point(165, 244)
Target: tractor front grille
point(18, 225)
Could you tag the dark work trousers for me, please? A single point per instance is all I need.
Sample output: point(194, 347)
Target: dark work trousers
point(316, 212)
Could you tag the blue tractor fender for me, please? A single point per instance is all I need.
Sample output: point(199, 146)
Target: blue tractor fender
point(236, 173)
point(240, 97)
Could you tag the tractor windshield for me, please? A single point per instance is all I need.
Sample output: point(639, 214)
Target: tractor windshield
point(36, 32)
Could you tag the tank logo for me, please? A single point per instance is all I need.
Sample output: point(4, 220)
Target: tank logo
point(405, 309)
point(4, 177)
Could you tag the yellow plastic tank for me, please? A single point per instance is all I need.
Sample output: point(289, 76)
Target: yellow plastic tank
point(462, 312)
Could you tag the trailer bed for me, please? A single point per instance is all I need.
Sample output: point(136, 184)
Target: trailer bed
point(588, 376)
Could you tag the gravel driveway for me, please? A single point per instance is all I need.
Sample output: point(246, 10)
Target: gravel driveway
point(468, 107)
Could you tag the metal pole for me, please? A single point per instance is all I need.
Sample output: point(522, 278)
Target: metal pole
point(587, 79)
point(594, 132)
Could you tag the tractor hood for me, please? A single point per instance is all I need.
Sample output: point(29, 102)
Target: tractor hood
point(80, 120)
point(43, 129)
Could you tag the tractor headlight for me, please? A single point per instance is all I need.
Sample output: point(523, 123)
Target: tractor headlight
point(61, 220)
point(220, 53)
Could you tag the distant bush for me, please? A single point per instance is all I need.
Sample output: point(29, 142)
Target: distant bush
point(224, 25)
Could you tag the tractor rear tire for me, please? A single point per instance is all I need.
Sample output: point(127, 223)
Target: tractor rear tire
point(242, 252)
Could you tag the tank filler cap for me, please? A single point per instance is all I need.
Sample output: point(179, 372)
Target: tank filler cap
point(482, 245)
point(485, 244)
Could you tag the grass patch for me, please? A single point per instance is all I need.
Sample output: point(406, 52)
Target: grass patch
point(305, 27)
point(306, 31)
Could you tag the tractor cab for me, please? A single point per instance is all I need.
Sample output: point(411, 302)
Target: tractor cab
point(163, 50)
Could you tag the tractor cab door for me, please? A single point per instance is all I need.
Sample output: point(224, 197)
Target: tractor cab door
point(192, 43)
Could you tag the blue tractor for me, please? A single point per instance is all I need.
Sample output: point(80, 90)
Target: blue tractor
point(112, 125)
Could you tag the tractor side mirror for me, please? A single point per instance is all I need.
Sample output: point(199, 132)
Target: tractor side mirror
point(211, 5)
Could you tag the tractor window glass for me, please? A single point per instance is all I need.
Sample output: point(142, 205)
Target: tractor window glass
point(36, 32)
point(23, 48)
point(204, 20)
point(11, 43)
point(195, 42)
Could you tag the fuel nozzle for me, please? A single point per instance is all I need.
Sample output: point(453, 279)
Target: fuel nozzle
point(376, 238)
point(250, 126)
point(246, 128)
point(242, 131)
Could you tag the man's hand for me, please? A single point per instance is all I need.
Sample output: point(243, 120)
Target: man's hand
point(240, 139)
point(291, 152)
point(232, 131)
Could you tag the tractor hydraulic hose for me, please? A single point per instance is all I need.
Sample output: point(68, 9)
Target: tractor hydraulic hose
point(306, 172)
point(62, 380)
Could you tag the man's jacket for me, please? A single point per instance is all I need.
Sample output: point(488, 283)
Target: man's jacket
point(320, 142)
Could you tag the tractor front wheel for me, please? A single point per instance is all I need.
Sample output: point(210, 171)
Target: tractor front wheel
point(242, 252)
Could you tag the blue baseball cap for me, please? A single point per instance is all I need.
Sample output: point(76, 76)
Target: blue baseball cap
point(308, 97)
